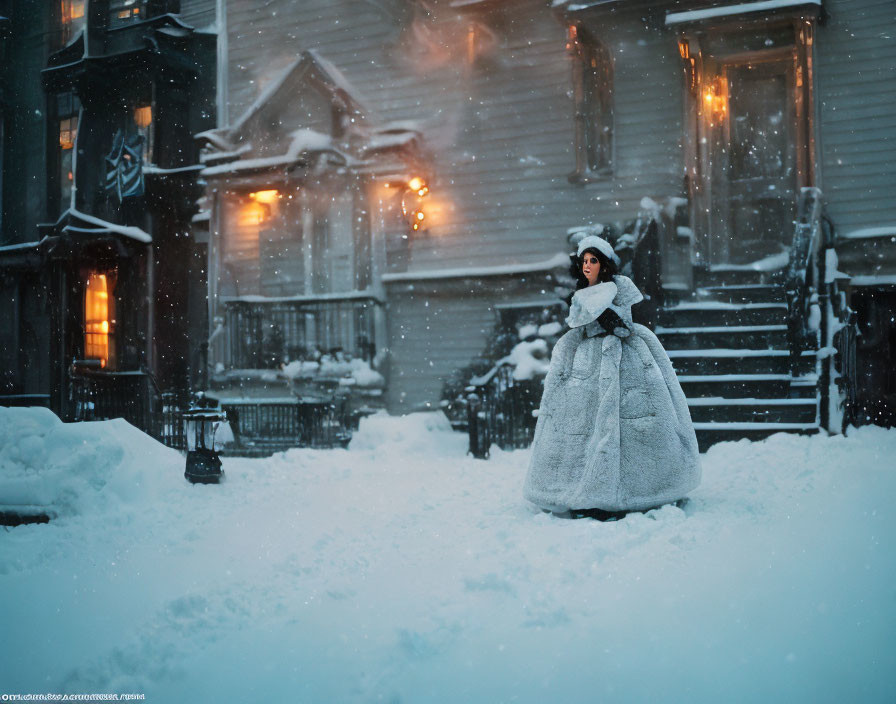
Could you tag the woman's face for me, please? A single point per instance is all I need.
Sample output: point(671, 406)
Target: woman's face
point(590, 267)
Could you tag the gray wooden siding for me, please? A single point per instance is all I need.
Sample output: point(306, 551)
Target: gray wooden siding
point(501, 131)
point(198, 13)
point(856, 95)
point(438, 327)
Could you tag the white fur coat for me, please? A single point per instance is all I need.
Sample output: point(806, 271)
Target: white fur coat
point(614, 431)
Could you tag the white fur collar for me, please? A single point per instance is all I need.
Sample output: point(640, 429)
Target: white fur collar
point(588, 303)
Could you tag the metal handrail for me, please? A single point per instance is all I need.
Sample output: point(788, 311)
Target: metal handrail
point(805, 272)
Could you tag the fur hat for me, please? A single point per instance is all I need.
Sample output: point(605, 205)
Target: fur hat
point(598, 243)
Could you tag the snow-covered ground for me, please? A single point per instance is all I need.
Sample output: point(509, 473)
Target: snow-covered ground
point(401, 570)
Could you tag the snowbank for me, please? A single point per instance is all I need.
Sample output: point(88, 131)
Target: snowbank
point(403, 570)
point(80, 468)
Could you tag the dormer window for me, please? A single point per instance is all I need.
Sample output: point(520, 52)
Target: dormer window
point(125, 12)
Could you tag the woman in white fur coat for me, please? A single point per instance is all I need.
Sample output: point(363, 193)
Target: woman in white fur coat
point(614, 432)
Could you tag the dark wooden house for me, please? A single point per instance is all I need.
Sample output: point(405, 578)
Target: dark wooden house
point(103, 288)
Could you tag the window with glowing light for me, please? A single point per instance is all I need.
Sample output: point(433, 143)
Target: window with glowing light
point(144, 124)
point(99, 318)
point(71, 18)
point(124, 12)
point(593, 89)
point(67, 108)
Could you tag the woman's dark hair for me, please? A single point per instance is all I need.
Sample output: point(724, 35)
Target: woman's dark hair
point(608, 268)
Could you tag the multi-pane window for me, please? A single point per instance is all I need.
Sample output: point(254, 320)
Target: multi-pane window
point(124, 12)
point(67, 109)
point(71, 18)
point(99, 319)
point(593, 82)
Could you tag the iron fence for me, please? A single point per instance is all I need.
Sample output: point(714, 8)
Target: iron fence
point(501, 410)
point(263, 428)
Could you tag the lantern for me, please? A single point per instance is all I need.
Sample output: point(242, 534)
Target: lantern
point(201, 423)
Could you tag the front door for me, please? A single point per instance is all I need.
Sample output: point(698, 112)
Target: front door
point(756, 157)
point(754, 137)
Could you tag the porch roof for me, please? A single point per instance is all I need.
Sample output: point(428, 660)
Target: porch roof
point(101, 226)
point(674, 18)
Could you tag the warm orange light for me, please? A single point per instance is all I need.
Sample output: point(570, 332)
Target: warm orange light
point(143, 117)
point(72, 10)
point(420, 216)
point(266, 197)
point(416, 183)
point(96, 318)
point(253, 214)
point(708, 97)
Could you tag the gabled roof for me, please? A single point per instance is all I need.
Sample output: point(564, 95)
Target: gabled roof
point(309, 68)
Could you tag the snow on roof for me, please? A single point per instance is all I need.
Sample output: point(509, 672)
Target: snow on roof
point(572, 7)
point(135, 233)
point(218, 137)
point(338, 296)
point(304, 141)
point(250, 165)
point(727, 10)
point(332, 75)
point(870, 232)
point(389, 140)
point(558, 260)
point(158, 170)
point(21, 245)
point(874, 280)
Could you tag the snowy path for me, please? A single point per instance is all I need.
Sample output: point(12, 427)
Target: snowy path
point(403, 571)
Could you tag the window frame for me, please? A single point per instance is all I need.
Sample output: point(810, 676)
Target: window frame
point(116, 8)
point(68, 25)
point(72, 116)
point(594, 109)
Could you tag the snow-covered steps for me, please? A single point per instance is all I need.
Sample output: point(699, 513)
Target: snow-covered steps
point(743, 386)
point(728, 344)
point(753, 410)
point(718, 313)
point(738, 361)
point(723, 336)
point(709, 434)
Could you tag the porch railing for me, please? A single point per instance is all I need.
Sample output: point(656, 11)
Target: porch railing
point(132, 395)
point(804, 272)
point(812, 282)
point(263, 428)
point(262, 332)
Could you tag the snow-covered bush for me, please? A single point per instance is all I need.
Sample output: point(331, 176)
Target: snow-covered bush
point(525, 342)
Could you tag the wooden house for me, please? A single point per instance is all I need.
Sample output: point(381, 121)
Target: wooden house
point(98, 271)
point(390, 179)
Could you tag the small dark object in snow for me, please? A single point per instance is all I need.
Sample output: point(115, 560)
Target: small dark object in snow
point(203, 467)
point(15, 518)
point(610, 516)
